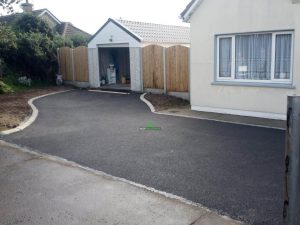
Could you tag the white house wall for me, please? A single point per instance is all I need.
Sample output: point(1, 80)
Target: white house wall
point(119, 37)
point(215, 17)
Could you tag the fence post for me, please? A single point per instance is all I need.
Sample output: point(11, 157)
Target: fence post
point(291, 210)
point(165, 73)
point(141, 69)
point(58, 60)
point(73, 66)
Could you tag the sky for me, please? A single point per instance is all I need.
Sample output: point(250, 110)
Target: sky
point(90, 15)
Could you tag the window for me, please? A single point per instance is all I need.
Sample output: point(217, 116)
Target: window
point(258, 57)
point(225, 57)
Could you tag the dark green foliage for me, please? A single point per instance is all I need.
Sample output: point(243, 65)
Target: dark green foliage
point(60, 41)
point(79, 40)
point(36, 55)
point(29, 48)
point(8, 42)
point(27, 23)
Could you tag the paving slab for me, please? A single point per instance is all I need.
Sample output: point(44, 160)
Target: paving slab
point(253, 121)
point(39, 189)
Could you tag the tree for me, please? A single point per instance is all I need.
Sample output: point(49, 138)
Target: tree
point(30, 48)
point(7, 5)
point(37, 54)
point(27, 23)
point(8, 46)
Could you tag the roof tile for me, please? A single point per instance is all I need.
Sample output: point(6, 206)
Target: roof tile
point(158, 33)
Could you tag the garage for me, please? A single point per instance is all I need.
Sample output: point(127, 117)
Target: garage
point(115, 51)
point(114, 66)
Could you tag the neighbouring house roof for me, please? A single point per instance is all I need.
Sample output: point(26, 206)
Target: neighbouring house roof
point(151, 32)
point(189, 10)
point(66, 29)
point(40, 12)
point(8, 19)
point(11, 18)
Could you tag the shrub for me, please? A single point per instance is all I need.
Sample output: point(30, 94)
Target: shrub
point(4, 88)
point(29, 48)
point(79, 40)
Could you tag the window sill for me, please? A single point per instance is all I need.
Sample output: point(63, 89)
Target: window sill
point(253, 84)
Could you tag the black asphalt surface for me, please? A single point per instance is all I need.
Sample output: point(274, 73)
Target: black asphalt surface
point(235, 169)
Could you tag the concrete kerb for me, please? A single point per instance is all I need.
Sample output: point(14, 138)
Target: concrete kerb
point(152, 108)
point(110, 92)
point(30, 120)
point(65, 162)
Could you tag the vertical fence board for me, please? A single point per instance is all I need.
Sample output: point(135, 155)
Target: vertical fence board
point(177, 68)
point(66, 66)
point(81, 64)
point(74, 62)
point(153, 69)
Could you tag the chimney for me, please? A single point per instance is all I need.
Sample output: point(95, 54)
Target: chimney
point(27, 7)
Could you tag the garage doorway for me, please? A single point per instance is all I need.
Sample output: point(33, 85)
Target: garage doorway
point(114, 66)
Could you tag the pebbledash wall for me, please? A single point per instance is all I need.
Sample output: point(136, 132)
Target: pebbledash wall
point(215, 17)
point(112, 36)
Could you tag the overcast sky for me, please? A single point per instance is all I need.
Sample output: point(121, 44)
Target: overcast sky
point(90, 15)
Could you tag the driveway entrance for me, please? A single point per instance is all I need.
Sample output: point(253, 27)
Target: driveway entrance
point(234, 169)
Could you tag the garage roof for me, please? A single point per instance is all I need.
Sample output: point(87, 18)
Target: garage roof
point(157, 33)
point(151, 32)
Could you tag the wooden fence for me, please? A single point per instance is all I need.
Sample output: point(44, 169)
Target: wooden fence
point(166, 68)
point(73, 64)
point(153, 66)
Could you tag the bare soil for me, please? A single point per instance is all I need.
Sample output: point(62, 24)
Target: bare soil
point(14, 108)
point(164, 102)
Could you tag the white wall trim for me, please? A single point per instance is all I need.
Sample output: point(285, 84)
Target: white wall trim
point(126, 28)
point(240, 112)
point(188, 14)
point(114, 45)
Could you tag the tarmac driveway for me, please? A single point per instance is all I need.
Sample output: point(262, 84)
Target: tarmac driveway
point(234, 169)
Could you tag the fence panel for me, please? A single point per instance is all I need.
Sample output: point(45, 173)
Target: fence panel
point(153, 68)
point(177, 68)
point(66, 63)
point(81, 67)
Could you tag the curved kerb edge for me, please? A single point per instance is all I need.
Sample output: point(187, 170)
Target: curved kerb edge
point(149, 104)
point(33, 116)
point(153, 110)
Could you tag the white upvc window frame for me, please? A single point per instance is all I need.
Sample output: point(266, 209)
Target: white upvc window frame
point(273, 80)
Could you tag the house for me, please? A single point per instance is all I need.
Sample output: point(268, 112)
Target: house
point(118, 43)
point(245, 56)
point(66, 29)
